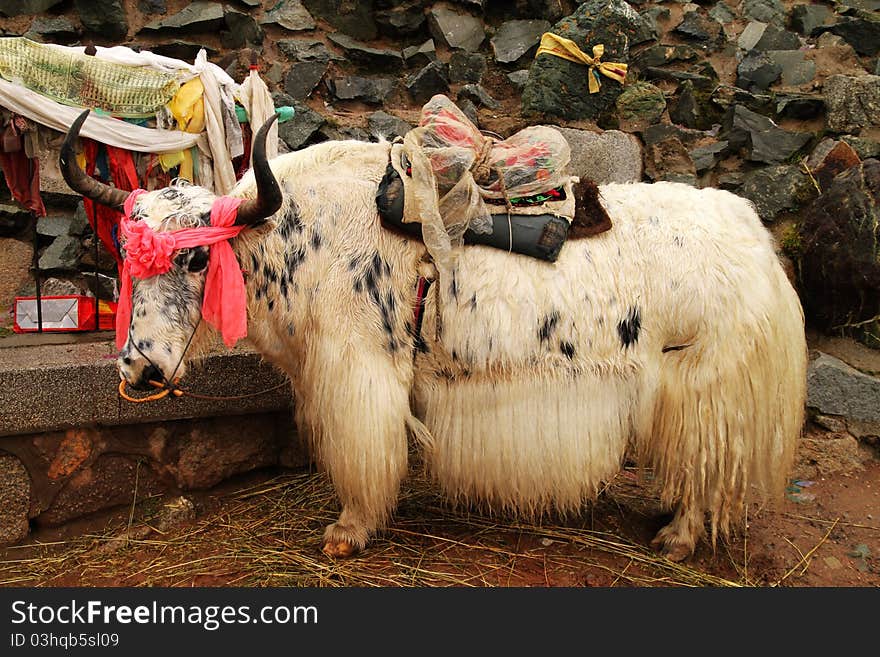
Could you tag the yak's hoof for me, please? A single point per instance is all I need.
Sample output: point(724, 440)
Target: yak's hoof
point(671, 550)
point(339, 549)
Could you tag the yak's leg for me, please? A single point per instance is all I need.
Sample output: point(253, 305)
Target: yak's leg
point(357, 406)
point(677, 540)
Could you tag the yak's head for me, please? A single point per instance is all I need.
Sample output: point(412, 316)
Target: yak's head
point(167, 262)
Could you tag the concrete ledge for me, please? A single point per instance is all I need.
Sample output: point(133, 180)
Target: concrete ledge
point(54, 387)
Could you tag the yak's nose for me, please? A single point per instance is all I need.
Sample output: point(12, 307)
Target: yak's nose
point(150, 373)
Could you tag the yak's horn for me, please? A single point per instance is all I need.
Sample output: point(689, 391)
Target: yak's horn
point(268, 200)
point(77, 178)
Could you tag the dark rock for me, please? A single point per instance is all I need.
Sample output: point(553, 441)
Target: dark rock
point(751, 34)
point(104, 17)
point(368, 90)
point(559, 88)
point(840, 255)
point(306, 50)
point(730, 181)
point(864, 148)
point(760, 138)
point(469, 110)
point(640, 105)
point(853, 102)
point(658, 55)
point(697, 26)
point(467, 67)
point(431, 80)
point(645, 29)
point(806, 18)
point(455, 29)
point(799, 106)
point(387, 125)
point(757, 71)
point(861, 31)
point(663, 131)
point(776, 189)
point(835, 388)
point(477, 95)
point(53, 226)
point(693, 108)
point(775, 38)
point(13, 219)
point(302, 78)
point(829, 159)
point(699, 80)
point(518, 78)
point(57, 29)
point(404, 19)
point(551, 10)
point(297, 132)
point(112, 480)
point(420, 55)
point(796, 70)
point(105, 288)
point(611, 156)
point(15, 500)
point(725, 97)
point(22, 7)
point(515, 39)
point(366, 55)
point(196, 17)
point(185, 50)
point(152, 6)
point(356, 19)
point(650, 17)
point(242, 30)
point(79, 223)
point(706, 157)
point(61, 254)
point(291, 15)
point(765, 11)
point(722, 13)
point(336, 133)
point(669, 160)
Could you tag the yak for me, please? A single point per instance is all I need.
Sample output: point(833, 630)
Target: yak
point(674, 340)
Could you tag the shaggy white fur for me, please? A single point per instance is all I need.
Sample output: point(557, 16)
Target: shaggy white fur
point(675, 338)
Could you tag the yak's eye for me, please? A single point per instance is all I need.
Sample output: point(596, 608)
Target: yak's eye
point(199, 260)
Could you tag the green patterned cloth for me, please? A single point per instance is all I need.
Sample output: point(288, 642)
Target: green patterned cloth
point(73, 78)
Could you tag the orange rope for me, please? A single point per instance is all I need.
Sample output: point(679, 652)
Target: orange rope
point(180, 393)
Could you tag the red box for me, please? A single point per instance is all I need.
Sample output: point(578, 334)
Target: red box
point(61, 314)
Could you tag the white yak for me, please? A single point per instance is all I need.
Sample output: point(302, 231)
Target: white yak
point(674, 339)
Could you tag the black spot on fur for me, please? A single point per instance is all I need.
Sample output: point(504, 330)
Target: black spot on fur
point(393, 346)
point(271, 304)
point(548, 325)
point(316, 240)
point(145, 345)
point(567, 348)
point(628, 328)
point(453, 286)
point(421, 345)
point(474, 302)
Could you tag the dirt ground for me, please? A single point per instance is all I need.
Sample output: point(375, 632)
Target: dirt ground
point(264, 530)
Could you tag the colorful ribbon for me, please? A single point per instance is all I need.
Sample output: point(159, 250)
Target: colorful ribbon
point(149, 253)
point(552, 44)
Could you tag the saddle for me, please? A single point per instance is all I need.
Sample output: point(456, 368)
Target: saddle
point(446, 183)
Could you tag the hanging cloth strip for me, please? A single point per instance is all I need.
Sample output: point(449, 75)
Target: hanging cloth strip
point(149, 253)
point(105, 220)
point(553, 44)
point(22, 173)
